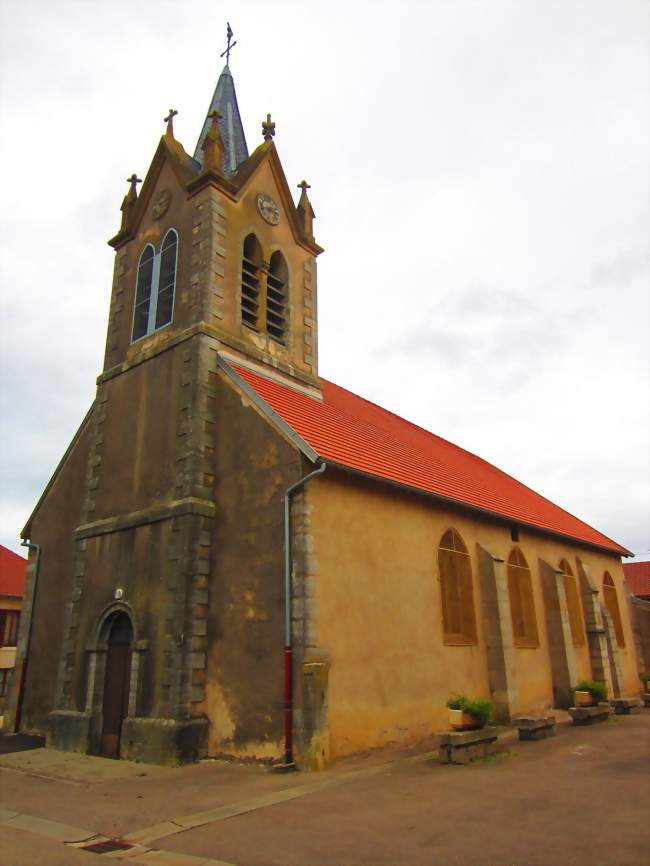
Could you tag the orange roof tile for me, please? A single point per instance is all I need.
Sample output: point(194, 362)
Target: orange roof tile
point(12, 573)
point(346, 429)
point(637, 577)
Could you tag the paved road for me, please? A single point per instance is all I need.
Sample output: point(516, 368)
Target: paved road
point(578, 799)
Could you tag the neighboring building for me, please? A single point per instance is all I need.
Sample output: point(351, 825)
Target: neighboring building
point(637, 578)
point(416, 570)
point(12, 589)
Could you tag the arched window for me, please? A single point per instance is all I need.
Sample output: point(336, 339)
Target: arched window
point(611, 603)
point(573, 604)
point(143, 293)
point(166, 279)
point(251, 266)
point(276, 297)
point(455, 568)
point(522, 605)
point(156, 282)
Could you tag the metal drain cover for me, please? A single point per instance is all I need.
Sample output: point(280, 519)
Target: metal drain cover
point(106, 846)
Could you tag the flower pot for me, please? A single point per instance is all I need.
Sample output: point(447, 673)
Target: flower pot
point(459, 720)
point(585, 699)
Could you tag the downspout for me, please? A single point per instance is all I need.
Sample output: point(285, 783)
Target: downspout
point(288, 763)
point(28, 637)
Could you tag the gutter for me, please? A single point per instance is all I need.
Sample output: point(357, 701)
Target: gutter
point(28, 637)
point(288, 762)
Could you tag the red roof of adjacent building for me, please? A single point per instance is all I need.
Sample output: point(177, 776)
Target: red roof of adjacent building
point(346, 429)
point(12, 573)
point(637, 577)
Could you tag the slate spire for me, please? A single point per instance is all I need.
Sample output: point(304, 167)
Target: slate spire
point(232, 131)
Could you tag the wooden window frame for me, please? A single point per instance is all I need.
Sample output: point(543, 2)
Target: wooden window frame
point(456, 588)
point(522, 601)
point(610, 598)
point(155, 289)
point(574, 605)
point(4, 681)
point(9, 625)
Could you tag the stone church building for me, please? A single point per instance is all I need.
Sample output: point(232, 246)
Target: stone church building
point(238, 557)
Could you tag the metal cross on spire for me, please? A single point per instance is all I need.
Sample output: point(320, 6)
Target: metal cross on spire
point(229, 46)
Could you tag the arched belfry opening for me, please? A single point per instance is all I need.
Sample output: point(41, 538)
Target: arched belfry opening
point(117, 681)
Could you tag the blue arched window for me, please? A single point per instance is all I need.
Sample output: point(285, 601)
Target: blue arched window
point(154, 293)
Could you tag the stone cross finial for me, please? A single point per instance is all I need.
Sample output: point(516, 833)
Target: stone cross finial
point(134, 180)
point(230, 45)
point(303, 185)
point(169, 120)
point(268, 128)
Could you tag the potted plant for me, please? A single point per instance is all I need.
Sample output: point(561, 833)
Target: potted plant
point(588, 693)
point(469, 714)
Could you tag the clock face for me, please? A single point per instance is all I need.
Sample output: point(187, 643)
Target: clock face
point(268, 209)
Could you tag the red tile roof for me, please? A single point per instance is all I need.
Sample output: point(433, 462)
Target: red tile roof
point(12, 573)
point(637, 577)
point(355, 433)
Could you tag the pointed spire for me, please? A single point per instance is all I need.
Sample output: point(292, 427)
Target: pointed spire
point(224, 101)
point(268, 128)
point(212, 147)
point(128, 203)
point(305, 210)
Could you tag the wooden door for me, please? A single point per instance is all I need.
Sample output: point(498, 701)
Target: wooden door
point(116, 684)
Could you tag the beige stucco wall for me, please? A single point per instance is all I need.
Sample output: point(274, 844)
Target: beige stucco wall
point(378, 612)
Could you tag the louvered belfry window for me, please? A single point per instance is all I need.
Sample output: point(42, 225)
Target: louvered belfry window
point(574, 607)
point(522, 605)
point(251, 268)
point(611, 603)
point(276, 298)
point(455, 569)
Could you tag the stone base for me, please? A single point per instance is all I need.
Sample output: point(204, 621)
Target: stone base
point(624, 706)
point(164, 741)
point(69, 731)
point(461, 747)
point(535, 727)
point(645, 697)
point(589, 715)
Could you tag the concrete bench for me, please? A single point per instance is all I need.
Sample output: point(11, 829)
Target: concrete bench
point(624, 706)
point(461, 747)
point(535, 727)
point(589, 715)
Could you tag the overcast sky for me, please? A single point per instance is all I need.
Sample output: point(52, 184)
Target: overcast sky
point(479, 173)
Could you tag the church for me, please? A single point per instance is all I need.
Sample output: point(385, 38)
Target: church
point(237, 557)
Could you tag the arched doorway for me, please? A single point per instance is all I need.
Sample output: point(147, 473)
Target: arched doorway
point(116, 683)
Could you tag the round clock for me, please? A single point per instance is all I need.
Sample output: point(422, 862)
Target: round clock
point(161, 203)
point(268, 209)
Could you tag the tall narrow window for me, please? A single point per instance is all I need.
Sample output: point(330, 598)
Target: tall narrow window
point(611, 603)
point(574, 607)
point(250, 282)
point(143, 293)
point(156, 282)
point(455, 568)
point(166, 279)
point(522, 605)
point(276, 298)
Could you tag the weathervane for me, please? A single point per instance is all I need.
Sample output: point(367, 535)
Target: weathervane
point(229, 46)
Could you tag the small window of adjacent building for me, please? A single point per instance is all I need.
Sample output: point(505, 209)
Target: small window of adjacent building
point(9, 620)
point(455, 569)
point(251, 268)
point(4, 681)
point(574, 608)
point(611, 603)
point(155, 286)
point(522, 604)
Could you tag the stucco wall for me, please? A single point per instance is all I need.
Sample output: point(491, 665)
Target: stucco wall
point(379, 612)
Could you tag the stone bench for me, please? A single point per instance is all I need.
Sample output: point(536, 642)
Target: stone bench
point(624, 706)
point(535, 727)
point(461, 747)
point(589, 715)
